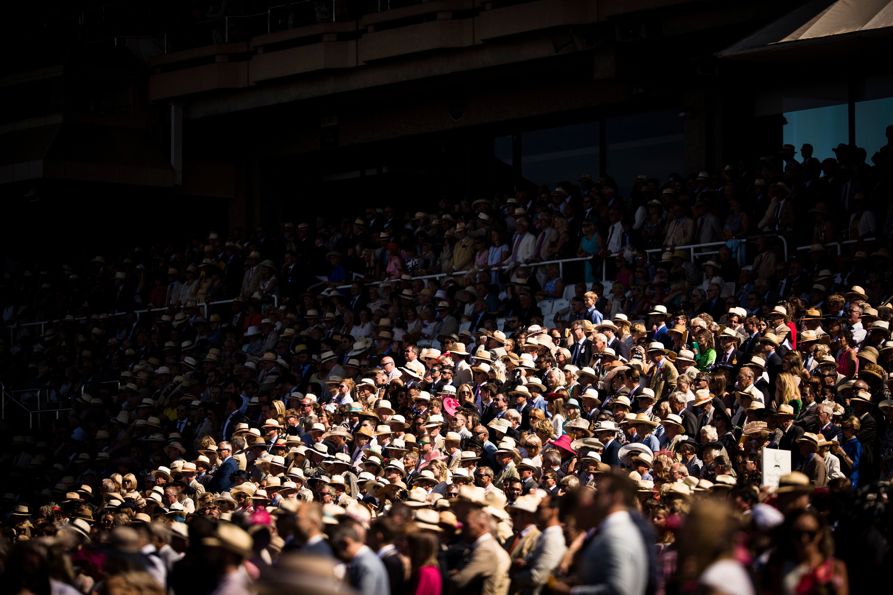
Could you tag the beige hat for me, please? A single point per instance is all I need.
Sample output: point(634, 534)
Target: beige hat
point(702, 397)
point(526, 503)
point(427, 519)
point(231, 538)
point(794, 482)
point(769, 338)
point(809, 438)
point(785, 410)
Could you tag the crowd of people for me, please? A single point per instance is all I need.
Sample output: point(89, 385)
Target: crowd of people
point(340, 424)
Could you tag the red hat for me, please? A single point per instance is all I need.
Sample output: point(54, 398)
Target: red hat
point(564, 443)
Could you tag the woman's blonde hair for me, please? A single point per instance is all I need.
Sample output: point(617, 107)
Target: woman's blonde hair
point(787, 388)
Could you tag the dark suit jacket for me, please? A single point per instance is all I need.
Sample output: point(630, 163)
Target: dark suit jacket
point(320, 548)
point(609, 455)
point(736, 358)
point(223, 477)
point(690, 423)
point(396, 576)
point(773, 367)
point(789, 442)
point(749, 344)
point(831, 431)
point(584, 356)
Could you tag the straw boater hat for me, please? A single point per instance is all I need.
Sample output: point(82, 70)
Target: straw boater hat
point(459, 349)
point(770, 338)
point(630, 451)
point(755, 428)
point(702, 397)
point(809, 439)
point(685, 355)
point(587, 371)
point(755, 362)
point(869, 354)
point(729, 333)
point(507, 447)
point(659, 310)
point(656, 346)
point(426, 519)
point(672, 419)
point(642, 419)
point(856, 293)
point(794, 482)
point(580, 425)
point(785, 410)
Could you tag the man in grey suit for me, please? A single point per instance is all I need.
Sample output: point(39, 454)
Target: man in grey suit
point(531, 574)
point(617, 559)
point(486, 571)
point(365, 571)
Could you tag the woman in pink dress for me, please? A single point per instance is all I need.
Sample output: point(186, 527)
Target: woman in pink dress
point(423, 547)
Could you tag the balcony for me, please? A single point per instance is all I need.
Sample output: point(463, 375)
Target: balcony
point(323, 36)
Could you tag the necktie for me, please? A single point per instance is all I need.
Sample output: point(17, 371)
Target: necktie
point(610, 244)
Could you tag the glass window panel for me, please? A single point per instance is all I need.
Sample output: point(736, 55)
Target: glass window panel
point(553, 155)
point(652, 144)
point(872, 119)
point(822, 127)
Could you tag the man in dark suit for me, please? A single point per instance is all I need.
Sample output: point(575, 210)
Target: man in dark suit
point(825, 412)
point(752, 326)
point(581, 350)
point(606, 431)
point(678, 405)
point(791, 433)
point(381, 539)
point(869, 432)
point(729, 354)
point(768, 343)
point(223, 477)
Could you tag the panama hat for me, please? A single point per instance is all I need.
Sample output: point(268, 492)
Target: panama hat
point(794, 482)
point(702, 397)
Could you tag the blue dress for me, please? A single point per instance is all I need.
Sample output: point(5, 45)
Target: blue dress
point(590, 248)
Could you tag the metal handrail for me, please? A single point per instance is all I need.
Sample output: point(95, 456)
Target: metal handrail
point(43, 323)
point(560, 262)
point(691, 248)
point(7, 396)
point(836, 245)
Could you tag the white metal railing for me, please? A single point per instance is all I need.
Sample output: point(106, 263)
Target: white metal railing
point(693, 250)
point(44, 323)
point(560, 262)
point(838, 246)
point(8, 398)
